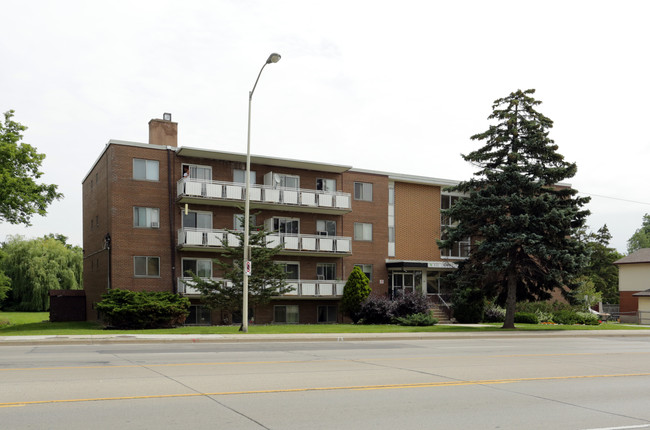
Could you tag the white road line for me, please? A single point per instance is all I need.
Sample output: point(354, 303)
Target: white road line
point(642, 426)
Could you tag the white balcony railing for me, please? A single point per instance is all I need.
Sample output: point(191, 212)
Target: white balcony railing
point(263, 194)
point(311, 243)
point(302, 243)
point(301, 288)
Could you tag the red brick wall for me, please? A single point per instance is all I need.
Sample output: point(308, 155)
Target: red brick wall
point(628, 303)
point(417, 221)
point(375, 212)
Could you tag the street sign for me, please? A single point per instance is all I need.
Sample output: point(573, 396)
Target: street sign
point(248, 268)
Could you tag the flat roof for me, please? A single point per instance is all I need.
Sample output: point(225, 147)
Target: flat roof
point(185, 151)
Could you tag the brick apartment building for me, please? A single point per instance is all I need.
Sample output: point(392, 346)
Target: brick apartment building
point(138, 234)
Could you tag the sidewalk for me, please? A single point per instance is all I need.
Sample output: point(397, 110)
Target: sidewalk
point(306, 337)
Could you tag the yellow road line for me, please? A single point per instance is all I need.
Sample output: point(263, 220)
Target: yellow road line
point(307, 389)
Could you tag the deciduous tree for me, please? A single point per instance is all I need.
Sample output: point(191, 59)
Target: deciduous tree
point(521, 221)
point(600, 268)
point(20, 195)
point(37, 266)
point(641, 237)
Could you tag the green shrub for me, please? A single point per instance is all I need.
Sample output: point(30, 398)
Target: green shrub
point(587, 318)
point(526, 318)
point(542, 307)
point(422, 319)
point(356, 290)
point(494, 313)
point(468, 305)
point(565, 316)
point(544, 316)
point(126, 309)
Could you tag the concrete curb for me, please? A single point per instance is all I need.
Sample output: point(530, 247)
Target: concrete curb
point(307, 337)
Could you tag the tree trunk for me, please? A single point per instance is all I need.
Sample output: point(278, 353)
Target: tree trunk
point(511, 300)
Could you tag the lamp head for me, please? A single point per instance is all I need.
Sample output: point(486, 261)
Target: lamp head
point(273, 58)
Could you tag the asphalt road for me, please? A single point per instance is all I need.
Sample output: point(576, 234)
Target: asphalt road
point(478, 383)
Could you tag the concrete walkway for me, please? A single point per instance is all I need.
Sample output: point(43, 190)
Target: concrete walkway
point(304, 337)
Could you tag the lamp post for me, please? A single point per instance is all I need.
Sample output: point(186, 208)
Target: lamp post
point(273, 58)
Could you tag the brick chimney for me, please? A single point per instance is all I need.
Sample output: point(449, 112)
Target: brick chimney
point(163, 132)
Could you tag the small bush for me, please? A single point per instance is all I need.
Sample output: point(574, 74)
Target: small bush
point(565, 316)
point(4, 322)
point(494, 314)
point(376, 310)
point(468, 305)
point(526, 318)
point(423, 319)
point(409, 304)
point(587, 318)
point(542, 307)
point(544, 316)
point(126, 309)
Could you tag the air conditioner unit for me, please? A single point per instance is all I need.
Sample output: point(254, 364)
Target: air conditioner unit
point(154, 224)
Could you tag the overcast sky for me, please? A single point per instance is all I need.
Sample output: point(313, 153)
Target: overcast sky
point(396, 86)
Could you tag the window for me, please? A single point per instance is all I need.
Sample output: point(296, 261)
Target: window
point(238, 222)
point(286, 181)
point(145, 170)
point(327, 314)
point(362, 231)
point(146, 217)
point(147, 266)
point(239, 176)
point(288, 226)
point(193, 171)
point(326, 227)
point(366, 269)
point(326, 271)
point(286, 314)
point(461, 248)
point(197, 220)
point(363, 191)
point(201, 268)
point(291, 270)
point(326, 184)
point(199, 315)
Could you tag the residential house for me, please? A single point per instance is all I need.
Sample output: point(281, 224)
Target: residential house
point(634, 286)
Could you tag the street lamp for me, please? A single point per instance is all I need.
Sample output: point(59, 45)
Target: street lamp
point(273, 58)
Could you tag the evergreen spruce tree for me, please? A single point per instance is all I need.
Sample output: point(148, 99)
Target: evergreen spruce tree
point(267, 279)
point(521, 221)
point(356, 290)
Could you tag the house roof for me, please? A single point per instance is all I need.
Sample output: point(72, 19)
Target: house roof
point(645, 293)
point(640, 256)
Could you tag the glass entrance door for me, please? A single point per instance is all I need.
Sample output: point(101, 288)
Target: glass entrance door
point(402, 282)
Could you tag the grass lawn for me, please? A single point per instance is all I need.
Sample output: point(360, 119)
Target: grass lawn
point(36, 323)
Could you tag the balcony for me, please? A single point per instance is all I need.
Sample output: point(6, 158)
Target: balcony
point(301, 288)
point(303, 244)
point(218, 193)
